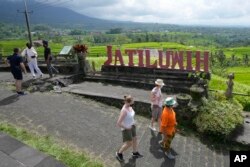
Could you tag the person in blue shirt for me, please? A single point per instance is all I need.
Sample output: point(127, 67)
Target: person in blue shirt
point(16, 66)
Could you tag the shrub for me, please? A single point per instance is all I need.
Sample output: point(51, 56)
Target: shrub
point(245, 101)
point(218, 117)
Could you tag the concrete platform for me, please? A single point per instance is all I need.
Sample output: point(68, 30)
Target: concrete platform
point(90, 126)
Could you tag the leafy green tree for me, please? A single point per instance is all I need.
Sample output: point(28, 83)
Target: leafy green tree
point(57, 39)
point(76, 32)
point(120, 39)
point(41, 27)
point(221, 57)
point(115, 31)
point(246, 59)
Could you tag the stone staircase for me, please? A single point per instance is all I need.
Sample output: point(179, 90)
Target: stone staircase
point(176, 81)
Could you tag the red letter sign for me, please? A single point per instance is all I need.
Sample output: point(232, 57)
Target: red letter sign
point(130, 56)
point(109, 53)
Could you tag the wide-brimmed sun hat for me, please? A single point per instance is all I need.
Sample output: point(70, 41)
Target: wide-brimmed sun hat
point(159, 82)
point(169, 101)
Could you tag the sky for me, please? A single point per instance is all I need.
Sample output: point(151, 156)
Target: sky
point(183, 12)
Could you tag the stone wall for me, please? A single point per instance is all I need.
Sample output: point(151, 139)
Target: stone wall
point(176, 81)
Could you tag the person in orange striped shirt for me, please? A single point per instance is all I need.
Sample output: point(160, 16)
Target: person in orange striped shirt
point(168, 126)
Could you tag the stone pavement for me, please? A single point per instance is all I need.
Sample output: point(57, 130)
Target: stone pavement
point(14, 153)
point(92, 89)
point(116, 92)
point(242, 135)
point(91, 126)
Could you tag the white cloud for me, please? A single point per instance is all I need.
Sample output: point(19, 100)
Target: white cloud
point(205, 12)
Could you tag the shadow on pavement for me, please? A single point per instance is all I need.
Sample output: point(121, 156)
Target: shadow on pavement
point(9, 100)
point(155, 148)
point(131, 163)
point(168, 163)
point(157, 151)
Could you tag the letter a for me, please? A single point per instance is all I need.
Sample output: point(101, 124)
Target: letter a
point(237, 158)
point(118, 57)
point(109, 53)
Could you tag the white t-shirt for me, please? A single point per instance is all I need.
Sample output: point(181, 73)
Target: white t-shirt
point(129, 118)
point(29, 52)
point(157, 97)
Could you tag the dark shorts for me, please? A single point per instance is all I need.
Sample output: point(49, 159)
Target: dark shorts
point(127, 135)
point(17, 74)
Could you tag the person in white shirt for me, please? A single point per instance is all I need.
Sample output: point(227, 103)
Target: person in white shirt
point(127, 124)
point(31, 56)
point(156, 103)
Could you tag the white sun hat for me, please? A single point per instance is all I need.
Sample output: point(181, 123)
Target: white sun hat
point(159, 82)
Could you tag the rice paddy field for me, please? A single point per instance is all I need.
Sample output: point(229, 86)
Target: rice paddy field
point(238, 51)
point(97, 51)
point(241, 84)
point(6, 47)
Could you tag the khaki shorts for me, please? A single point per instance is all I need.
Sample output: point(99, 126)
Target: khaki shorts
point(127, 135)
point(156, 111)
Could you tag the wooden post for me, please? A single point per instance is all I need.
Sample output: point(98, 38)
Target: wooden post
point(93, 67)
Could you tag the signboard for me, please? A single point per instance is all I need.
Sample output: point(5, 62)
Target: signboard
point(65, 50)
point(170, 59)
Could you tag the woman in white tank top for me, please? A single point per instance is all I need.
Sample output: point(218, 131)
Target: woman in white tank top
point(127, 124)
point(128, 120)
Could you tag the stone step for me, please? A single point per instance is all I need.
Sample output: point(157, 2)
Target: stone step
point(170, 86)
point(154, 71)
point(150, 75)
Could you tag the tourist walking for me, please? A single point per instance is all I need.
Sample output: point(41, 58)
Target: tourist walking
point(156, 103)
point(48, 58)
point(16, 66)
point(31, 55)
point(127, 124)
point(168, 126)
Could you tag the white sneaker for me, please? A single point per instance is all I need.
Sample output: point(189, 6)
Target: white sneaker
point(152, 128)
point(169, 155)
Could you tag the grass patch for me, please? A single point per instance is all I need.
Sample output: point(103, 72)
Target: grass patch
point(69, 156)
point(241, 80)
point(237, 51)
point(219, 83)
point(242, 74)
point(7, 46)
